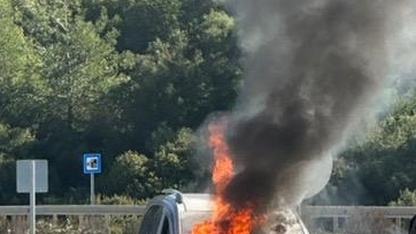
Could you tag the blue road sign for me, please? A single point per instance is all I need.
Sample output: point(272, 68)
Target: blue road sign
point(92, 163)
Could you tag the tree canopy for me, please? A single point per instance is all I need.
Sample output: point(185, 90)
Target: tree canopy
point(133, 80)
point(129, 79)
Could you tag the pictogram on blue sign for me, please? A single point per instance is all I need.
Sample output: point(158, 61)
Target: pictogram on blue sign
point(92, 163)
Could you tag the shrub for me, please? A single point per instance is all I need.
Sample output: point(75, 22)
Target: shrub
point(406, 198)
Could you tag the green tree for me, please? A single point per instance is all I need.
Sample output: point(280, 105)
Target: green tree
point(381, 164)
point(179, 82)
point(19, 79)
point(174, 160)
point(15, 143)
point(79, 65)
point(114, 76)
point(79, 68)
point(186, 62)
point(131, 175)
point(172, 166)
point(406, 198)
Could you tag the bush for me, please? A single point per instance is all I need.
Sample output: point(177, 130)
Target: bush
point(131, 175)
point(119, 200)
point(406, 198)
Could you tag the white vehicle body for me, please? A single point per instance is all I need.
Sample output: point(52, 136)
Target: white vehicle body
point(176, 213)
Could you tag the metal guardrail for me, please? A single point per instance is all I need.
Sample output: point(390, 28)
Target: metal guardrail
point(311, 211)
point(346, 211)
point(336, 214)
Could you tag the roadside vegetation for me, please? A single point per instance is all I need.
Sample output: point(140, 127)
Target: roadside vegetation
point(133, 80)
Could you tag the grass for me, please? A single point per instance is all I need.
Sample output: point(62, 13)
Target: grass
point(114, 224)
point(357, 223)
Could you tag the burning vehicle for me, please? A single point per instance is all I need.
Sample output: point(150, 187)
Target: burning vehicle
point(177, 213)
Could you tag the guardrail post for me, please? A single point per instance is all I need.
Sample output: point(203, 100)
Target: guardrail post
point(335, 225)
point(55, 219)
point(398, 222)
point(81, 222)
point(107, 223)
point(13, 223)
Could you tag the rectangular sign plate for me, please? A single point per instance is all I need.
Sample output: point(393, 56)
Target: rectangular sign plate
point(24, 176)
point(92, 163)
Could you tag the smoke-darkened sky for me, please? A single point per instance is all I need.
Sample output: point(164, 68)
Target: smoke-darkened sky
point(312, 68)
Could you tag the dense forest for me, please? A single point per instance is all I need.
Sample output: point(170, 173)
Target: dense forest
point(133, 80)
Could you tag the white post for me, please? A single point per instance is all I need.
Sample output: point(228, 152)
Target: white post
point(33, 201)
point(92, 198)
point(335, 225)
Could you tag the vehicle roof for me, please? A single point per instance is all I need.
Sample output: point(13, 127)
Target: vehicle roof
point(197, 201)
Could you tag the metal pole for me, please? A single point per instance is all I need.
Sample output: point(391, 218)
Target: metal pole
point(92, 199)
point(33, 201)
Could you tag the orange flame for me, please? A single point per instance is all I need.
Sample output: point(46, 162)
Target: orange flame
point(225, 219)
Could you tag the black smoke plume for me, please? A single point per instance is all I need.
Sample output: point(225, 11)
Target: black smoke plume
point(312, 67)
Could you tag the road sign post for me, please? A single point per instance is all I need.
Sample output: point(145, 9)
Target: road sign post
point(32, 177)
point(33, 200)
point(92, 165)
point(92, 189)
